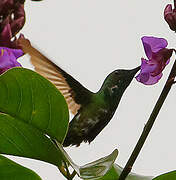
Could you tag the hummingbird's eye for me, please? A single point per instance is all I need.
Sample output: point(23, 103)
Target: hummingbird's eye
point(114, 88)
point(117, 72)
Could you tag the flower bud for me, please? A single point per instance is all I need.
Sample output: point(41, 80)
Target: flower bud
point(12, 20)
point(19, 19)
point(170, 16)
point(5, 6)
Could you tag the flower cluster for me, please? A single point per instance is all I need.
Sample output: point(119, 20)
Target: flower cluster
point(12, 20)
point(157, 53)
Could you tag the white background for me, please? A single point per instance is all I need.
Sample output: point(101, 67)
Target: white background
point(91, 38)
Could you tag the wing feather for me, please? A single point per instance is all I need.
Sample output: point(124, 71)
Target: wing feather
point(53, 73)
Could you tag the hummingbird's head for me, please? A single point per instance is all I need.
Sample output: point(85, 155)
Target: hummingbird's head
point(120, 79)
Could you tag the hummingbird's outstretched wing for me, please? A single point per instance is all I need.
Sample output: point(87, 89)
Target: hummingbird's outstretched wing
point(75, 94)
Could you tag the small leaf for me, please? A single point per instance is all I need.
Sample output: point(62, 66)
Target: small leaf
point(98, 168)
point(167, 176)
point(10, 170)
point(20, 139)
point(29, 97)
point(92, 170)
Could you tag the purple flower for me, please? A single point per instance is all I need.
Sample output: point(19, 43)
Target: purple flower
point(170, 16)
point(159, 57)
point(8, 58)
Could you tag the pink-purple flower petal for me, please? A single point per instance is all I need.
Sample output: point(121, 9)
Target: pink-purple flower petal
point(145, 76)
point(8, 58)
point(153, 45)
point(16, 52)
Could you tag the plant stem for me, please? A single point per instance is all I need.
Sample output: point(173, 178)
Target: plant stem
point(62, 170)
point(65, 171)
point(73, 174)
point(150, 122)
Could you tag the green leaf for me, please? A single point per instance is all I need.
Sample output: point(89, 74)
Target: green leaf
point(92, 170)
point(20, 139)
point(10, 170)
point(29, 97)
point(167, 176)
point(98, 168)
point(115, 171)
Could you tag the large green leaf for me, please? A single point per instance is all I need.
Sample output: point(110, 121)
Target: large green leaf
point(20, 139)
point(29, 97)
point(10, 170)
point(115, 171)
point(167, 176)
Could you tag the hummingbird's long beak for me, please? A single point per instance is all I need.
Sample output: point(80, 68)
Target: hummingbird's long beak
point(134, 71)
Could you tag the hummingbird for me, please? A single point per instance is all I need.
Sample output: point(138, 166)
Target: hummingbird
point(92, 111)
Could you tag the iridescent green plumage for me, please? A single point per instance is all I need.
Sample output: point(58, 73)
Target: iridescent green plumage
point(93, 116)
point(92, 111)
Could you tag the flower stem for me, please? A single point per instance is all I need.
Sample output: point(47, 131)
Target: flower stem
point(150, 122)
point(64, 168)
point(64, 173)
point(73, 174)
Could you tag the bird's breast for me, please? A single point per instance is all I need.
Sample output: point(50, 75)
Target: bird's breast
point(87, 124)
point(91, 123)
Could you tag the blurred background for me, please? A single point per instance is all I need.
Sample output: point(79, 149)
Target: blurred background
point(89, 39)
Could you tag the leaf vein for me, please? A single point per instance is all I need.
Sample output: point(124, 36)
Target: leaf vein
point(25, 138)
point(32, 102)
point(11, 142)
point(49, 104)
point(50, 114)
point(6, 86)
point(20, 95)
